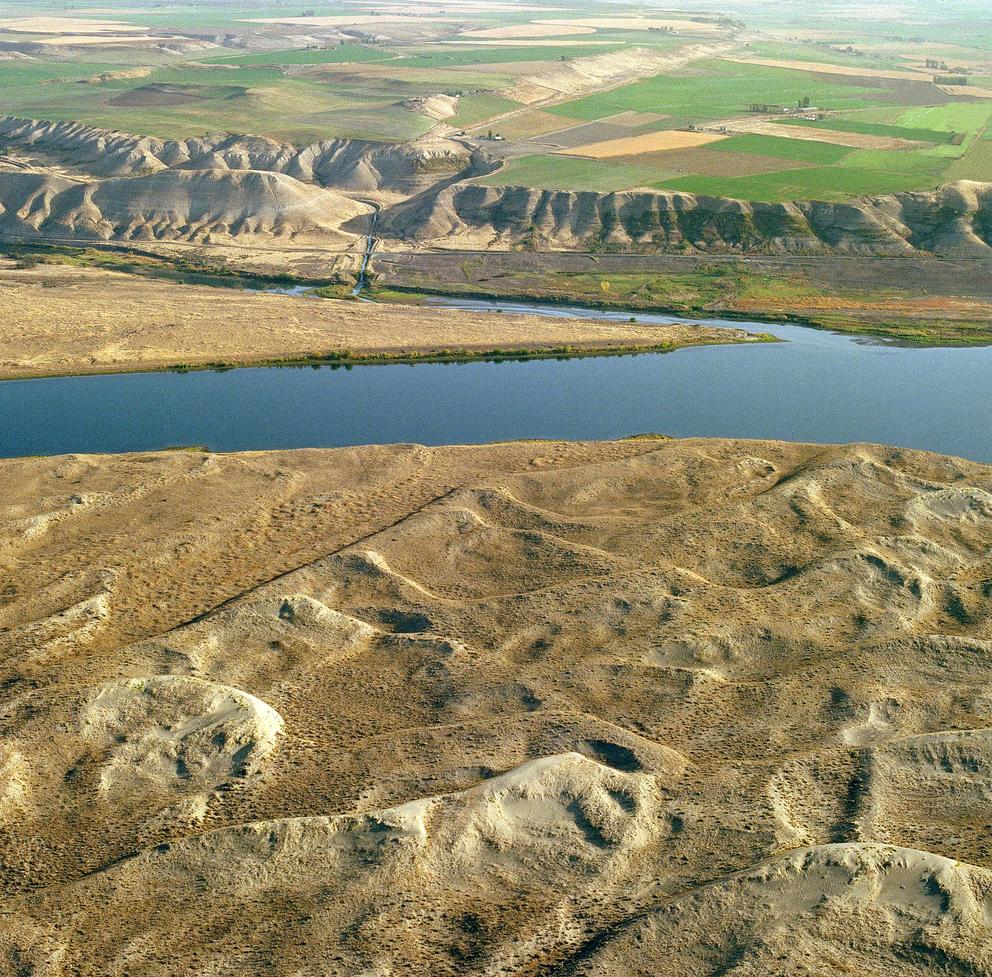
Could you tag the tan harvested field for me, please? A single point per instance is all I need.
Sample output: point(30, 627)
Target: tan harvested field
point(687, 708)
point(823, 68)
point(58, 320)
point(68, 25)
point(856, 140)
point(709, 162)
point(965, 91)
point(530, 30)
point(634, 24)
point(533, 123)
point(108, 40)
point(650, 142)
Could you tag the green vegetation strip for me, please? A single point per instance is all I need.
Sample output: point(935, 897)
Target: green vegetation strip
point(803, 150)
point(718, 89)
point(348, 358)
point(342, 53)
point(447, 57)
point(937, 136)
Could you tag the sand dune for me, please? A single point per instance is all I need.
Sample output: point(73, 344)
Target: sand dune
point(639, 707)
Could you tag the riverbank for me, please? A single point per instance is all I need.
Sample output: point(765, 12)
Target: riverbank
point(60, 320)
point(924, 301)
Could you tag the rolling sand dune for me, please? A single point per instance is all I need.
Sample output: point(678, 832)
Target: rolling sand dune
point(630, 708)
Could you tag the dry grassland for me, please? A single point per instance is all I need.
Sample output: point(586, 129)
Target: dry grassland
point(690, 708)
point(57, 320)
point(635, 118)
point(650, 142)
point(462, 40)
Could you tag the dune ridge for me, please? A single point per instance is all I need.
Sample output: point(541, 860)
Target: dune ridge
point(700, 707)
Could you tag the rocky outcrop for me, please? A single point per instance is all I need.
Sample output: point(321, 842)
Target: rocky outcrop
point(956, 219)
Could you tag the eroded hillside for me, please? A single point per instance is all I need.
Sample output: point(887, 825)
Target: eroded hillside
point(955, 220)
point(696, 707)
point(63, 180)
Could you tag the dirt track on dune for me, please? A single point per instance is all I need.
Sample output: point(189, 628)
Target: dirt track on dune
point(650, 706)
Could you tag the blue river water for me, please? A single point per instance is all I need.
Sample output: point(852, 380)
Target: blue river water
point(814, 386)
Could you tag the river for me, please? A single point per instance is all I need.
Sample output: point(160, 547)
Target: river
point(814, 386)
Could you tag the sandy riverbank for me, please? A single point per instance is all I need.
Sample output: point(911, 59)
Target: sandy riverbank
point(58, 320)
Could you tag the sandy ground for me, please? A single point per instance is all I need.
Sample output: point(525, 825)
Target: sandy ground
point(56, 320)
point(646, 707)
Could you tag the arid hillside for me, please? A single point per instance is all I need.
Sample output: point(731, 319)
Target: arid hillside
point(65, 181)
point(650, 706)
point(955, 220)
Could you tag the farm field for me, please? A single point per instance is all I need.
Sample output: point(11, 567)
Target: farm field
point(574, 96)
point(787, 130)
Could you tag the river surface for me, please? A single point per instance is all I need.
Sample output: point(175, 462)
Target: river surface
point(815, 386)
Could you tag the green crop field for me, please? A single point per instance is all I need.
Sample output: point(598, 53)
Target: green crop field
point(336, 55)
point(572, 173)
point(802, 150)
point(447, 57)
point(829, 183)
point(314, 80)
point(976, 164)
point(717, 89)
